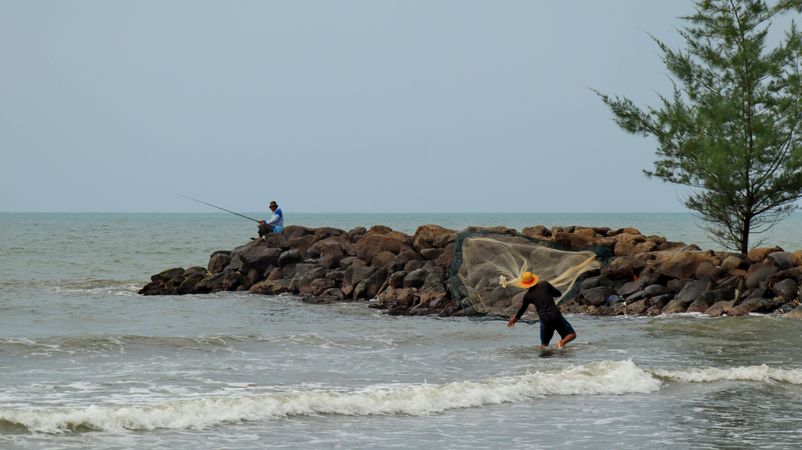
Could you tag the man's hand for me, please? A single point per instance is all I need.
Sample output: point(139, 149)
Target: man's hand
point(511, 322)
point(261, 222)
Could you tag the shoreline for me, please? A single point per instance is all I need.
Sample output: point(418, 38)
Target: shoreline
point(417, 274)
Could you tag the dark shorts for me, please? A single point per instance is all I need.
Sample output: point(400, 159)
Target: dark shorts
point(265, 229)
point(549, 326)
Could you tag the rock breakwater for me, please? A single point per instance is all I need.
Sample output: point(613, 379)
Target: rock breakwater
point(414, 275)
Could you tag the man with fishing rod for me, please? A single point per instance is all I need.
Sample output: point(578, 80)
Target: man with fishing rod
point(276, 222)
point(274, 225)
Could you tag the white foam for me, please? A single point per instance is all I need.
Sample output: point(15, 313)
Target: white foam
point(610, 377)
point(762, 373)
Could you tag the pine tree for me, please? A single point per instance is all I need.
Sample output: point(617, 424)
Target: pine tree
point(732, 130)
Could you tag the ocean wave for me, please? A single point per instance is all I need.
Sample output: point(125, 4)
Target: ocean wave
point(99, 287)
point(603, 378)
point(116, 344)
point(762, 373)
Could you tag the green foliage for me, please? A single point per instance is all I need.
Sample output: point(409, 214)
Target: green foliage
point(731, 128)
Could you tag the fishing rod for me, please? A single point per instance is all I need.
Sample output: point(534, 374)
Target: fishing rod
point(213, 206)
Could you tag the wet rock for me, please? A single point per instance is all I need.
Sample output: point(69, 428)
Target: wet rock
point(271, 287)
point(758, 273)
point(699, 305)
point(227, 280)
point(254, 255)
point(369, 288)
point(316, 287)
point(755, 305)
point(631, 287)
point(433, 289)
point(355, 274)
point(693, 290)
point(637, 307)
point(720, 308)
point(795, 313)
point(396, 279)
point(596, 296)
point(320, 299)
point(305, 275)
point(676, 285)
point(415, 279)
point(219, 260)
point(786, 289)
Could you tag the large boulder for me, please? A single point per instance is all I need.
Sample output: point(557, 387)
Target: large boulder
point(755, 305)
point(192, 277)
point(218, 261)
point(786, 289)
point(720, 308)
point(782, 260)
point(732, 262)
point(682, 264)
point(415, 278)
point(758, 273)
point(574, 241)
point(271, 287)
point(757, 255)
point(330, 251)
point(254, 255)
point(370, 287)
point(692, 291)
point(372, 243)
point(227, 280)
point(595, 296)
point(432, 236)
point(164, 283)
point(620, 269)
point(357, 272)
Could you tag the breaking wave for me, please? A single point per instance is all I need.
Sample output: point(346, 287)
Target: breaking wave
point(603, 378)
point(761, 373)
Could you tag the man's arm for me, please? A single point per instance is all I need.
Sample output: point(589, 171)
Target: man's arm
point(521, 311)
point(553, 291)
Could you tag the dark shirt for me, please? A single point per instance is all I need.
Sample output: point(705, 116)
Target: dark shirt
point(542, 296)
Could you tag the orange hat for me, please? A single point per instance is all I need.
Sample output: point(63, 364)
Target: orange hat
point(527, 280)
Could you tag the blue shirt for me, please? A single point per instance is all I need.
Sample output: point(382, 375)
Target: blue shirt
point(277, 219)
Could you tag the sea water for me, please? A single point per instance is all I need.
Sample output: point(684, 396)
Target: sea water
point(85, 362)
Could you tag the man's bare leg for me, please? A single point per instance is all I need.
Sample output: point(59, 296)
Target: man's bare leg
point(562, 342)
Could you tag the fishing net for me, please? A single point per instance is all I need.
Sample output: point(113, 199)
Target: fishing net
point(488, 269)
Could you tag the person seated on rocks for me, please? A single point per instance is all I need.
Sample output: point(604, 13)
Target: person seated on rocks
point(276, 222)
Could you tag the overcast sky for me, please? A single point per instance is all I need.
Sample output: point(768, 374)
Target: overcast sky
point(351, 106)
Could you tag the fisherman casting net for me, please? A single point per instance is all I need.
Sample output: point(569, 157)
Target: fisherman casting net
point(490, 270)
